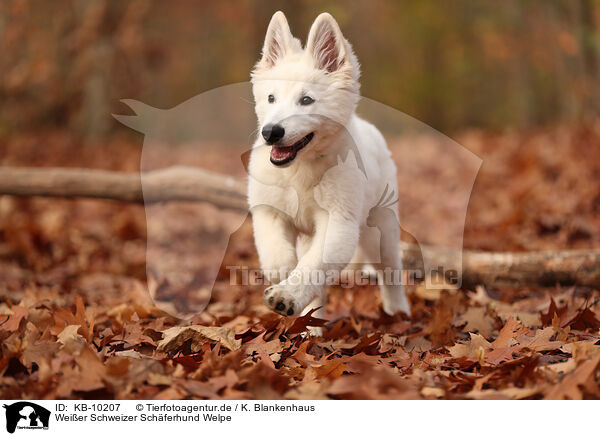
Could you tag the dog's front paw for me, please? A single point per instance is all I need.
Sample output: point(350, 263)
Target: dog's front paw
point(278, 299)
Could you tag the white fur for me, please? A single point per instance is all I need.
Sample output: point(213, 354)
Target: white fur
point(320, 212)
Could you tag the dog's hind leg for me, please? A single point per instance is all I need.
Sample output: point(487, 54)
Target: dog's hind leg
point(389, 269)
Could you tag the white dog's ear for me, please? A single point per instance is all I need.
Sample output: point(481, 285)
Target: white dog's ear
point(278, 42)
point(327, 45)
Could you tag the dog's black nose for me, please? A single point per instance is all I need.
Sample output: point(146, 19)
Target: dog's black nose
point(273, 133)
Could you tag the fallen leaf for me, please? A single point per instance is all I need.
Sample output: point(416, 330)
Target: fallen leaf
point(175, 337)
point(476, 319)
point(10, 322)
point(570, 387)
point(473, 349)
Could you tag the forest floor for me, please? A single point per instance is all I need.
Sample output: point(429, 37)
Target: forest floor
point(76, 320)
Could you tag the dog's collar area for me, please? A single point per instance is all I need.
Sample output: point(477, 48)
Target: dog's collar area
point(284, 155)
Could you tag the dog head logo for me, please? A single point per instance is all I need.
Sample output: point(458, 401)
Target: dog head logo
point(297, 114)
point(26, 415)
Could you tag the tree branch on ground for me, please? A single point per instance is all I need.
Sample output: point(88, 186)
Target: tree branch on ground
point(543, 268)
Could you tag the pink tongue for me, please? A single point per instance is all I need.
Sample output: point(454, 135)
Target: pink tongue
point(281, 153)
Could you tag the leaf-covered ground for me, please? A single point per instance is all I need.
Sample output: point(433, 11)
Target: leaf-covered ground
point(76, 320)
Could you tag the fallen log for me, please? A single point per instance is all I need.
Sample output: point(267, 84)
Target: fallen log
point(541, 268)
point(512, 269)
point(170, 184)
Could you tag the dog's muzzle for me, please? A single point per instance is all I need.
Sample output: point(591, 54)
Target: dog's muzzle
point(282, 155)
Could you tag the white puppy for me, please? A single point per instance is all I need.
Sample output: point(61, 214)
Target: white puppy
point(322, 189)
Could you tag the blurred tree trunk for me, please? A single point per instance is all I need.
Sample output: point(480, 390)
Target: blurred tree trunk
point(97, 55)
point(96, 106)
point(520, 73)
point(589, 43)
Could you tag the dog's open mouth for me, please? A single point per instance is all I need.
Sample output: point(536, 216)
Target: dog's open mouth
point(282, 155)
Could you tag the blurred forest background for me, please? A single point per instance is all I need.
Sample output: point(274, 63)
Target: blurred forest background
point(515, 82)
point(451, 64)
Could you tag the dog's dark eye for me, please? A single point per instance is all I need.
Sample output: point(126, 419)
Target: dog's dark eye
point(306, 100)
point(271, 98)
